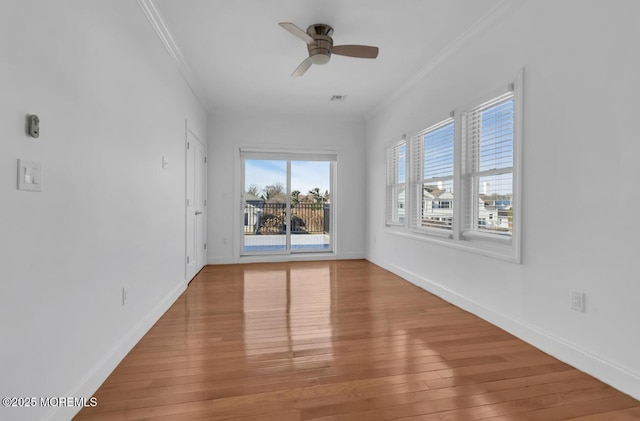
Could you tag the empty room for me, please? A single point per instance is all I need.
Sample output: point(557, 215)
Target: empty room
point(319, 210)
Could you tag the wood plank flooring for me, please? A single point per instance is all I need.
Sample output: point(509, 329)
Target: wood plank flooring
point(333, 341)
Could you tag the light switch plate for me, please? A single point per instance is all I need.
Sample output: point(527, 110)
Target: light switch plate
point(29, 175)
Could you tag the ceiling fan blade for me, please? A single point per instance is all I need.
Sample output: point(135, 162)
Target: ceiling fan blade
point(302, 68)
point(360, 51)
point(297, 32)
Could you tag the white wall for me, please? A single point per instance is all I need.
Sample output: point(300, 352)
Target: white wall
point(580, 177)
point(228, 133)
point(111, 103)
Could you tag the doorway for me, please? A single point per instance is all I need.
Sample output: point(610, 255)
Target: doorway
point(196, 204)
point(287, 203)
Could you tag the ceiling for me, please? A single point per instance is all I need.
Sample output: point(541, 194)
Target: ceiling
point(238, 59)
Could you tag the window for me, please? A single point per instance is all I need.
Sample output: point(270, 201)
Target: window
point(490, 141)
point(490, 176)
point(396, 183)
point(464, 178)
point(432, 178)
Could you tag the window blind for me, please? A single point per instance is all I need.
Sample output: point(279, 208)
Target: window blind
point(432, 177)
point(396, 183)
point(490, 135)
point(249, 153)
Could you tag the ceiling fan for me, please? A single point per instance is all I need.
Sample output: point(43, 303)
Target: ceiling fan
point(320, 46)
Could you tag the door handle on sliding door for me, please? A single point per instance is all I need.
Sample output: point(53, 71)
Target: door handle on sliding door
point(198, 213)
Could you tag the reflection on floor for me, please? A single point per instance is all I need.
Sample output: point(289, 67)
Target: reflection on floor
point(342, 340)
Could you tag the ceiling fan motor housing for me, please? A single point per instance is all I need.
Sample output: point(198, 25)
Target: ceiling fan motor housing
point(320, 50)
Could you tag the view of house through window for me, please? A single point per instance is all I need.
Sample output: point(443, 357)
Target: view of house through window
point(287, 206)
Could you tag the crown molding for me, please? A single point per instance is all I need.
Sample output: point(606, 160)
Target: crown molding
point(495, 14)
point(157, 23)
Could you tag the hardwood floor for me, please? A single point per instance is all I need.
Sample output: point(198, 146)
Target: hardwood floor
point(336, 341)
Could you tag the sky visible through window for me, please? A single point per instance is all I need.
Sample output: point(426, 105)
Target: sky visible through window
point(496, 143)
point(438, 153)
point(402, 154)
point(496, 148)
point(305, 175)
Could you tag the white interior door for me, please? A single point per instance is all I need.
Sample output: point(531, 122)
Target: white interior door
point(200, 199)
point(196, 201)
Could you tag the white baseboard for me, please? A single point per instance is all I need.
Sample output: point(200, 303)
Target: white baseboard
point(216, 260)
point(621, 378)
point(212, 260)
point(351, 256)
point(87, 386)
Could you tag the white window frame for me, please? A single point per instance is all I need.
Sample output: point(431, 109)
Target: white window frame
point(393, 184)
point(496, 245)
point(417, 180)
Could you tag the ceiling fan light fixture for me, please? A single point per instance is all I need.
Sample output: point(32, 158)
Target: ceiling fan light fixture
point(320, 58)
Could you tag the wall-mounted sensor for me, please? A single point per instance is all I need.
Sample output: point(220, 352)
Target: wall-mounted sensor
point(34, 126)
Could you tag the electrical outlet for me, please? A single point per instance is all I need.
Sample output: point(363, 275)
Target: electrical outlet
point(124, 295)
point(578, 301)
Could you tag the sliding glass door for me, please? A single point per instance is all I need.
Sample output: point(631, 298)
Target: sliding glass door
point(310, 205)
point(287, 203)
point(265, 206)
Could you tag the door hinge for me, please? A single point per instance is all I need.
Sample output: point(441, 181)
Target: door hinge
point(205, 246)
point(205, 203)
point(187, 202)
point(205, 159)
point(187, 145)
point(187, 259)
